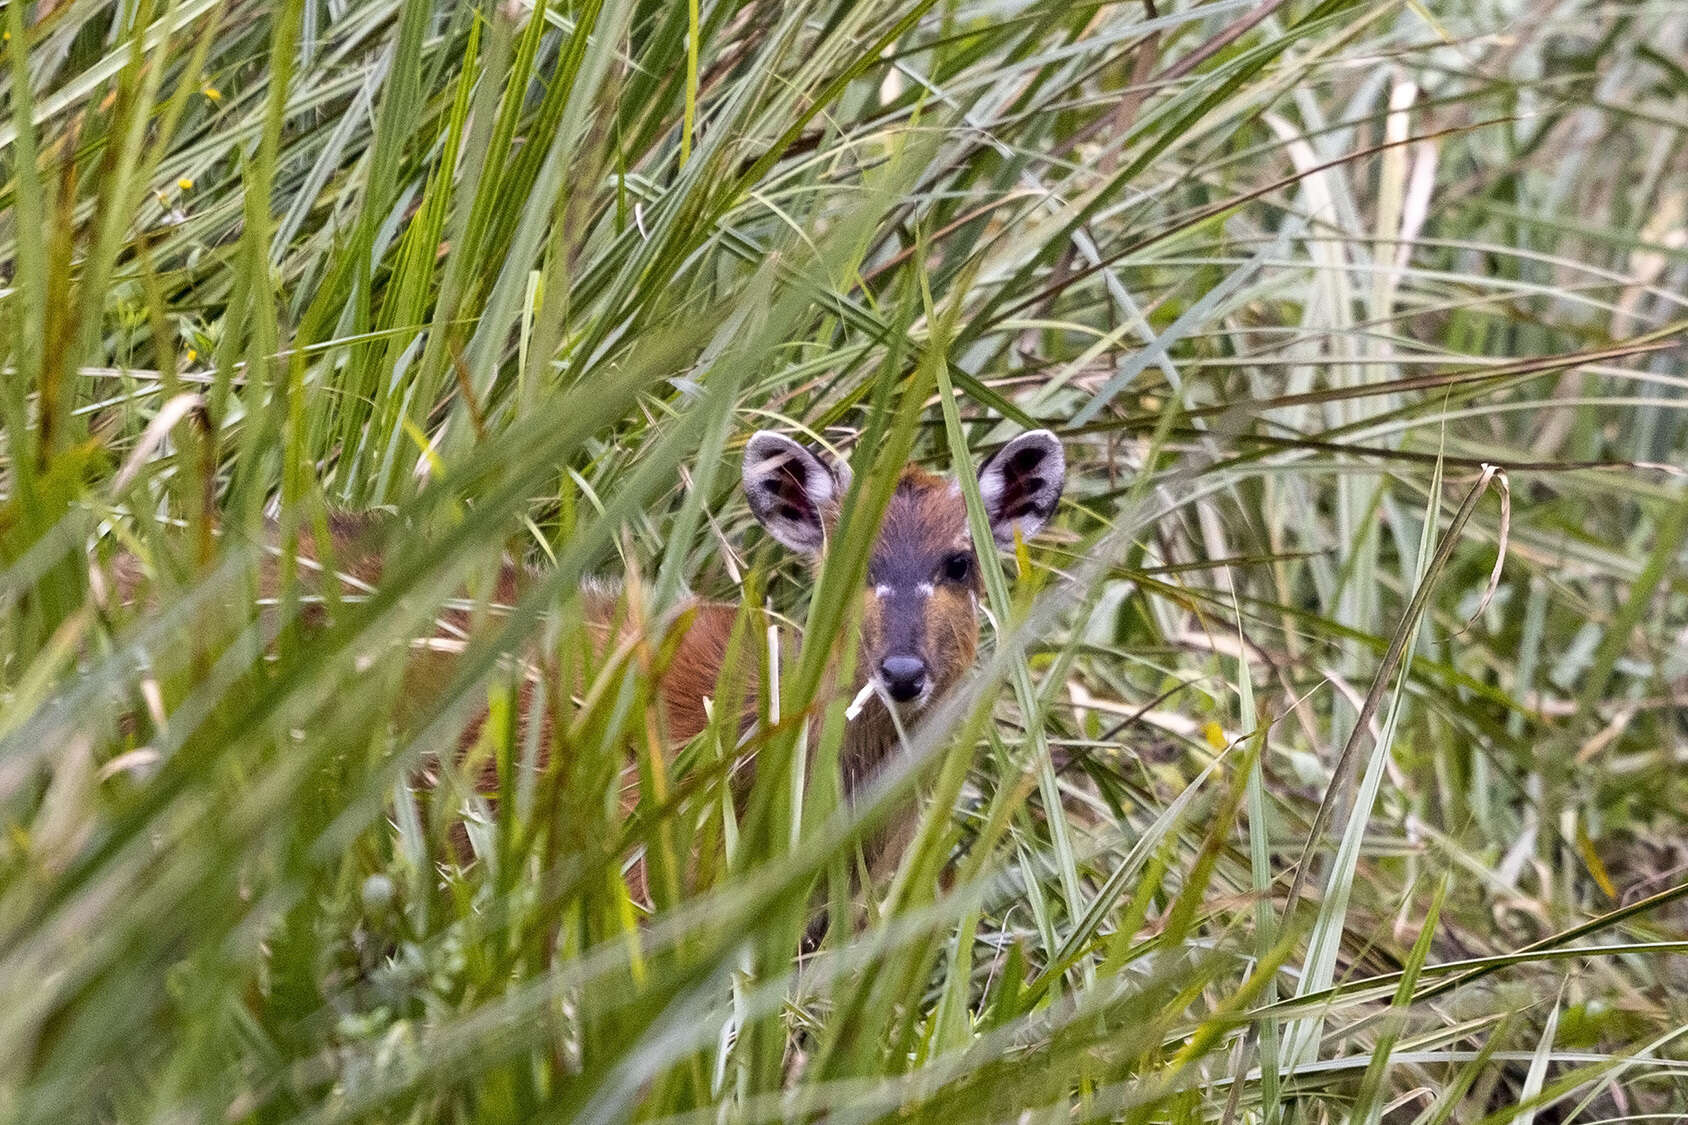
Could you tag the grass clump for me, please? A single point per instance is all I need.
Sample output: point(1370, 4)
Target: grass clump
point(1276, 797)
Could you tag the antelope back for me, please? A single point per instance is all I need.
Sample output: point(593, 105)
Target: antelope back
point(348, 563)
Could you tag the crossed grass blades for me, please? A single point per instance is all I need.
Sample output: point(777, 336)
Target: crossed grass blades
point(1275, 798)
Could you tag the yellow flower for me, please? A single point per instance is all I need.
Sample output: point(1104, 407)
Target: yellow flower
point(192, 355)
point(213, 93)
point(185, 183)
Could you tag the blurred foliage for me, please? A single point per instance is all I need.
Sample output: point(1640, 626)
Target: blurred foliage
point(1273, 800)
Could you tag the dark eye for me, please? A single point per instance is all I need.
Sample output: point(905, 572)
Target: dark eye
point(957, 567)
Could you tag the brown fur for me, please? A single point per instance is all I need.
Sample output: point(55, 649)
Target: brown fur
point(925, 520)
point(924, 523)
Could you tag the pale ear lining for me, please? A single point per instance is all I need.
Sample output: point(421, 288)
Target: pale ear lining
point(789, 489)
point(1021, 485)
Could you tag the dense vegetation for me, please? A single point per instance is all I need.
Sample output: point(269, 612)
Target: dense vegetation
point(1326, 760)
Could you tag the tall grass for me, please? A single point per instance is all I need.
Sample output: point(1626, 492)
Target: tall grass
point(1325, 763)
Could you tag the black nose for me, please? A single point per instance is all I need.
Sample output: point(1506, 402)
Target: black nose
point(904, 676)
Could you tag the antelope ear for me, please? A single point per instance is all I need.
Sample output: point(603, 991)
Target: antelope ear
point(1021, 484)
point(790, 490)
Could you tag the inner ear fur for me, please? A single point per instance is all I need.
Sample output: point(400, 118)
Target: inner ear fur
point(1021, 485)
point(791, 489)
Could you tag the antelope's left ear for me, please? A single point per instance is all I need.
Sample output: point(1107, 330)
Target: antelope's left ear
point(1021, 484)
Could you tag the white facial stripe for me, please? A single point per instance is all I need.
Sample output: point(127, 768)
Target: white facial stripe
point(886, 590)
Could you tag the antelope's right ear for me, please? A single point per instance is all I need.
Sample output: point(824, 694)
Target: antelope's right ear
point(790, 490)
